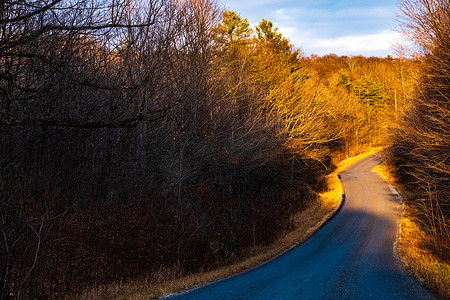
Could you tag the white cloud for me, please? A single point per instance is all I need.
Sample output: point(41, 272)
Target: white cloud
point(282, 14)
point(287, 32)
point(351, 43)
point(344, 27)
point(377, 44)
point(371, 44)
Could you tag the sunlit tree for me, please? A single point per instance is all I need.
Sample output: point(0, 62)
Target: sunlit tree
point(423, 144)
point(233, 29)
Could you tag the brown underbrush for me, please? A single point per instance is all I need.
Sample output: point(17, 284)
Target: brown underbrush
point(303, 224)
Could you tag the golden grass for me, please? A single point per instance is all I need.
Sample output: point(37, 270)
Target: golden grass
point(386, 175)
point(169, 281)
point(332, 197)
point(305, 223)
point(425, 266)
point(421, 263)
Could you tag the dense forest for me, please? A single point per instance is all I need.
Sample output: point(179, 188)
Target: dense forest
point(421, 144)
point(138, 136)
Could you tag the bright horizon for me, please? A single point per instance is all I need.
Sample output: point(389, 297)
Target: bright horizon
point(344, 27)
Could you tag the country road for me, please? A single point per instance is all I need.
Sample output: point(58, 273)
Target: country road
point(351, 257)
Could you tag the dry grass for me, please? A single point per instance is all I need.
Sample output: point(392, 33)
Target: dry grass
point(167, 281)
point(426, 267)
point(306, 222)
point(421, 263)
point(332, 198)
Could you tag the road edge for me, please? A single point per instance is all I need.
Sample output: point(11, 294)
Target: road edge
point(327, 218)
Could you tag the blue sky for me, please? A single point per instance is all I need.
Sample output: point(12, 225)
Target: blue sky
point(344, 27)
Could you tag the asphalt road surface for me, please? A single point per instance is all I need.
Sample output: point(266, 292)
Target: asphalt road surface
point(351, 257)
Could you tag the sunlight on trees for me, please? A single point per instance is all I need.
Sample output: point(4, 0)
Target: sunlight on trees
point(266, 32)
point(233, 29)
point(140, 136)
point(422, 144)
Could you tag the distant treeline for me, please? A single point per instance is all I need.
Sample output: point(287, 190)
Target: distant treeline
point(138, 136)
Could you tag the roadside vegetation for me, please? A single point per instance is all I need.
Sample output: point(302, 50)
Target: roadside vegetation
point(419, 158)
point(147, 141)
point(305, 223)
point(427, 267)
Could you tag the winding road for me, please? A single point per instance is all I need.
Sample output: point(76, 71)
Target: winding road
point(351, 257)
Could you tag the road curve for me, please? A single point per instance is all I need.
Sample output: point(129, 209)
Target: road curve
point(351, 257)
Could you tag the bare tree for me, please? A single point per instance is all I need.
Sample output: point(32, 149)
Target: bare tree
point(84, 43)
point(425, 135)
